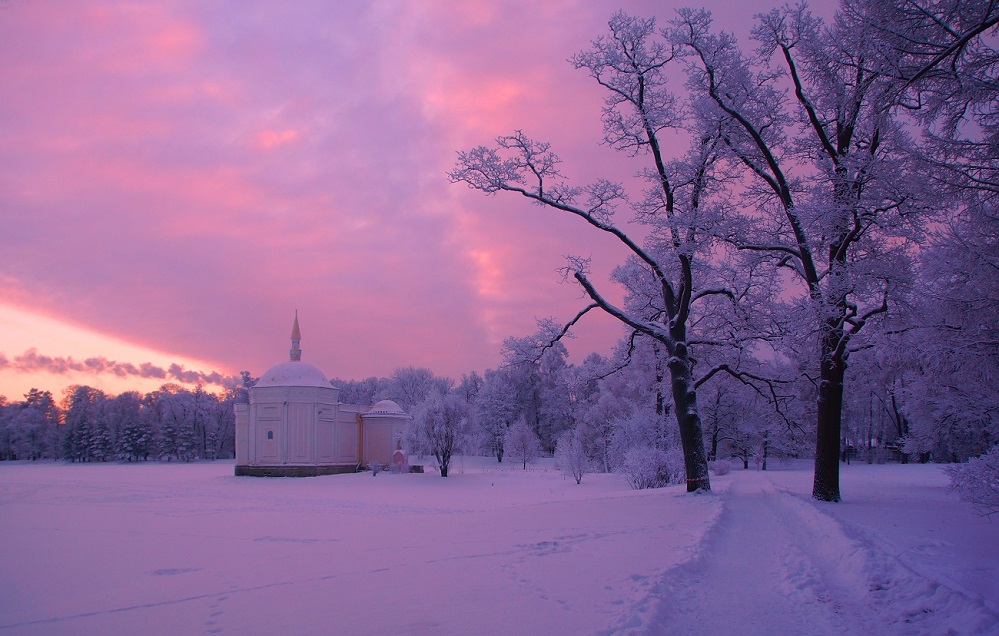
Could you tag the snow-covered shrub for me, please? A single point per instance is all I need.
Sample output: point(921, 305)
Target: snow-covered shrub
point(645, 467)
point(642, 429)
point(570, 455)
point(522, 443)
point(719, 466)
point(676, 470)
point(648, 467)
point(977, 481)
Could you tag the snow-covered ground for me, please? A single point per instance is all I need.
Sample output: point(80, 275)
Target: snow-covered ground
point(187, 549)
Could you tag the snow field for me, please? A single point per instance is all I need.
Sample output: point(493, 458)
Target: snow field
point(187, 548)
point(191, 549)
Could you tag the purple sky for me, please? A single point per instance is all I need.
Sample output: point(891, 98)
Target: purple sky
point(184, 175)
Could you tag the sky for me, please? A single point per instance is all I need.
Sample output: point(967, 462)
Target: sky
point(177, 178)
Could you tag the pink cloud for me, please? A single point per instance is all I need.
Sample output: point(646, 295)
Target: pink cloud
point(268, 139)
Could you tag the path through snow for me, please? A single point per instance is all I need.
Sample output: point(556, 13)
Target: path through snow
point(776, 564)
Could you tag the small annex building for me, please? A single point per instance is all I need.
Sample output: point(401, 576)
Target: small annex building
point(294, 425)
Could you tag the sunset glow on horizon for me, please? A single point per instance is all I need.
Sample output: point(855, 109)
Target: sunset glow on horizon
point(68, 354)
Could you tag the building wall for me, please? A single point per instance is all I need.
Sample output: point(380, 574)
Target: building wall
point(325, 434)
point(348, 434)
point(301, 430)
point(287, 430)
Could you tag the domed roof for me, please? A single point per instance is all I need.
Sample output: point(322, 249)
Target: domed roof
point(386, 408)
point(293, 373)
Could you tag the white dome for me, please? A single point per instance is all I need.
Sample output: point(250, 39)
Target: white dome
point(293, 374)
point(386, 407)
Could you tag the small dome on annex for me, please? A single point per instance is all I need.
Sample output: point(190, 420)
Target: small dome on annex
point(385, 407)
point(293, 373)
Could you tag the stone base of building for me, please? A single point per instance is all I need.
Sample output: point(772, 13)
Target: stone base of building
point(293, 471)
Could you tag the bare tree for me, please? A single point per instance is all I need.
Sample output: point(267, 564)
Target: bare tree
point(629, 63)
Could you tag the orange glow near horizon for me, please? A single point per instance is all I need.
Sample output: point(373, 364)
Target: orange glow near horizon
point(22, 331)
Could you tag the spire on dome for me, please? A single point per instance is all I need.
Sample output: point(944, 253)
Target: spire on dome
point(296, 337)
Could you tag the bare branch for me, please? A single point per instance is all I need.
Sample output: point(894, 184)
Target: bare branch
point(565, 331)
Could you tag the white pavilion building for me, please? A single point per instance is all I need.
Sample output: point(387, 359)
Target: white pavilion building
point(295, 425)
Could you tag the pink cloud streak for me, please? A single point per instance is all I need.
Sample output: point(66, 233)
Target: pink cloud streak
point(31, 362)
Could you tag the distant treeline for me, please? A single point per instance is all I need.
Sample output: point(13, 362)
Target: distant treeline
point(170, 424)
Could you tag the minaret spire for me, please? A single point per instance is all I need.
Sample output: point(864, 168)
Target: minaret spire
point(296, 338)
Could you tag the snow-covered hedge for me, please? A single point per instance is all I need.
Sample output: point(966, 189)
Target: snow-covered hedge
point(978, 481)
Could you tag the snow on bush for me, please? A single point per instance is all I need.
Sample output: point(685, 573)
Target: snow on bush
point(977, 481)
point(719, 466)
point(648, 467)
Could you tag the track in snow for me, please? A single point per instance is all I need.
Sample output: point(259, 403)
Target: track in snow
point(775, 564)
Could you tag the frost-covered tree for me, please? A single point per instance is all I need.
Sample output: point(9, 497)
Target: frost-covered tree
point(6, 413)
point(48, 437)
point(100, 441)
point(439, 428)
point(133, 436)
point(174, 408)
point(948, 62)
point(596, 427)
point(522, 443)
point(83, 406)
point(570, 456)
point(949, 349)
point(538, 368)
point(410, 386)
point(640, 113)
point(469, 387)
point(30, 429)
point(366, 391)
point(221, 426)
point(495, 410)
point(641, 429)
point(26, 426)
point(721, 414)
point(829, 187)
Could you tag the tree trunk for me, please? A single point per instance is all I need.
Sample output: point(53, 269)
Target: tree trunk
point(901, 426)
point(443, 460)
point(660, 378)
point(830, 418)
point(691, 437)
